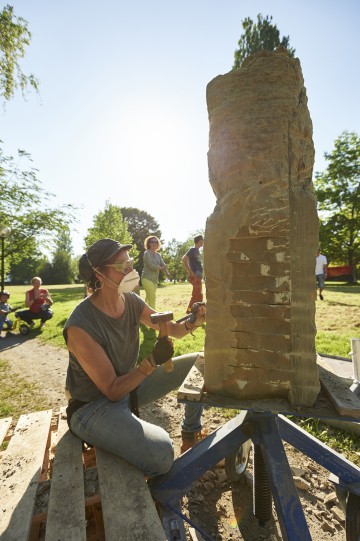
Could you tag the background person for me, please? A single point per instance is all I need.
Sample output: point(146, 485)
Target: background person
point(153, 264)
point(192, 262)
point(102, 336)
point(5, 310)
point(38, 302)
point(320, 272)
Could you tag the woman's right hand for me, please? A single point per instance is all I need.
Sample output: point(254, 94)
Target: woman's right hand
point(163, 350)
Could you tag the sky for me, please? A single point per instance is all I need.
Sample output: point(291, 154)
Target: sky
point(122, 115)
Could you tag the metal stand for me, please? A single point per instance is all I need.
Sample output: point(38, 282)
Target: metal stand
point(266, 430)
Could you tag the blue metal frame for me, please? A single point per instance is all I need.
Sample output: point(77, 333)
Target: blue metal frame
point(267, 430)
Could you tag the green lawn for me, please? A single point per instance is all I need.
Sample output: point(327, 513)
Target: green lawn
point(338, 318)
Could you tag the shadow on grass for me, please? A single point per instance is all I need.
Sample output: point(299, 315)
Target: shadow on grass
point(343, 288)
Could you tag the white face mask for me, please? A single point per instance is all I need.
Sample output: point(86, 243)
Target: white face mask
point(129, 282)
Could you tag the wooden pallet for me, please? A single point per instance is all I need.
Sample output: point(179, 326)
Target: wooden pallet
point(54, 490)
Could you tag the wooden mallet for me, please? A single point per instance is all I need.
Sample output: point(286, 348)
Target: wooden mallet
point(160, 319)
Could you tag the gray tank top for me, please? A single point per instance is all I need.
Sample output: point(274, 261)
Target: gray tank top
point(119, 337)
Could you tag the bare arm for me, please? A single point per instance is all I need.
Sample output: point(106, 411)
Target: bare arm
point(177, 330)
point(185, 262)
point(48, 299)
point(98, 367)
point(28, 302)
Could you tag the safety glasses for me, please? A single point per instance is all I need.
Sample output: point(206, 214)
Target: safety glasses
point(124, 266)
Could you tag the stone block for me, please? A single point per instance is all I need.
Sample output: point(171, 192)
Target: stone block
point(261, 239)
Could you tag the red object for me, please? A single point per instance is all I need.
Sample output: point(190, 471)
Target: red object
point(339, 271)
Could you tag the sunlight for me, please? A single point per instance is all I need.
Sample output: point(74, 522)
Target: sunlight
point(149, 141)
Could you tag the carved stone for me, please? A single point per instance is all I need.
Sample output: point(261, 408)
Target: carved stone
point(261, 240)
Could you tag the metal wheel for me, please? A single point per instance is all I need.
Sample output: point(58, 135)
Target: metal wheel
point(353, 517)
point(24, 329)
point(236, 463)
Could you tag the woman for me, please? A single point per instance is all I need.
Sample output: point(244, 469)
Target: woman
point(38, 302)
point(102, 336)
point(153, 264)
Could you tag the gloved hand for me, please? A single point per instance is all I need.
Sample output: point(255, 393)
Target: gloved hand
point(163, 350)
point(198, 314)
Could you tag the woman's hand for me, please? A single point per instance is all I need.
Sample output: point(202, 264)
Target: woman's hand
point(163, 350)
point(197, 316)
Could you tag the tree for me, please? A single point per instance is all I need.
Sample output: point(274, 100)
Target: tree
point(140, 225)
point(26, 209)
point(338, 194)
point(259, 36)
point(173, 253)
point(24, 269)
point(109, 223)
point(14, 38)
point(63, 271)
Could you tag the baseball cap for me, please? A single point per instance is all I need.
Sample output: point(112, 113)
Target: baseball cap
point(98, 254)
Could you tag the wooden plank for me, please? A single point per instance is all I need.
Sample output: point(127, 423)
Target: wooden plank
point(128, 509)
point(193, 385)
point(19, 473)
point(66, 510)
point(4, 427)
point(343, 399)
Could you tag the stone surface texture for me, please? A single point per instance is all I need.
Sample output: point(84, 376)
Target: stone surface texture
point(261, 239)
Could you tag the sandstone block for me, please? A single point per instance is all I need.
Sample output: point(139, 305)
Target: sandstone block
point(262, 237)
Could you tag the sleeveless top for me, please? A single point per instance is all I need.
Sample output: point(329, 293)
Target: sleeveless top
point(35, 308)
point(119, 337)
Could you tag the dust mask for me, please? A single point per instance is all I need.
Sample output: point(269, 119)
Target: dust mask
point(129, 282)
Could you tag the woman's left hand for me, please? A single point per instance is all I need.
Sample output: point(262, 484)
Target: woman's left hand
point(198, 314)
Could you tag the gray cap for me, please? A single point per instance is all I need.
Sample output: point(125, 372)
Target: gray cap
point(97, 255)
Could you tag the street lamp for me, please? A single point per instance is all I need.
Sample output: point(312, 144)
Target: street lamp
point(4, 234)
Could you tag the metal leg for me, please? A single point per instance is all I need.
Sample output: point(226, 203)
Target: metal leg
point(169, 488)
point(266, 430)
point(348, 473)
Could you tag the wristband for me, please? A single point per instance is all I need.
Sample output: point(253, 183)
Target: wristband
point(190, 330)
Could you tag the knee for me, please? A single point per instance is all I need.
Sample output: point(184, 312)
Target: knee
point(161, 458)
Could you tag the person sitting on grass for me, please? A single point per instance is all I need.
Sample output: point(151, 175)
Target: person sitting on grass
point(38, 302)
point(5, 309)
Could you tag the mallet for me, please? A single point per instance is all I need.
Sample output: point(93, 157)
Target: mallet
point(160, 319)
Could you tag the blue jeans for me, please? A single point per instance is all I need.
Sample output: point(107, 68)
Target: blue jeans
point(113, 427)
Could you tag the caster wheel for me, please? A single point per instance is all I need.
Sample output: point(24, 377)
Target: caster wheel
point(353, 517)
point(24, 329)
point(236, 463)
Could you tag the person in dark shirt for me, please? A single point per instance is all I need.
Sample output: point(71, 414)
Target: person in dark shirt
point(192, 262)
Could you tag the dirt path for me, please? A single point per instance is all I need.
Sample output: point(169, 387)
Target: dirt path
point(220, 508)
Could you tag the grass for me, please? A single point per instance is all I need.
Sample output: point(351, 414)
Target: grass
point(337, 321)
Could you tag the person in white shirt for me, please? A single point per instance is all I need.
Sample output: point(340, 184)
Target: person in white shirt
point(321, 272)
